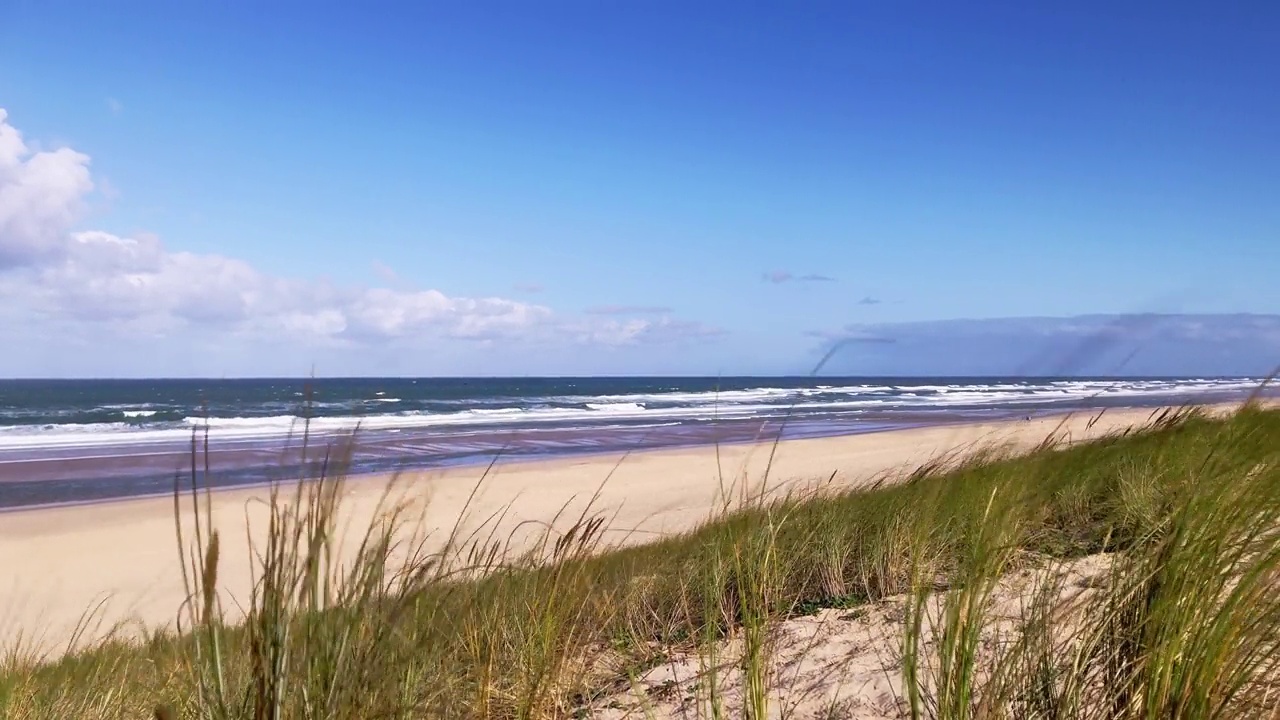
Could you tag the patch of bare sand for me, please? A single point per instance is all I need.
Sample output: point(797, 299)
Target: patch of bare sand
point(842, 664)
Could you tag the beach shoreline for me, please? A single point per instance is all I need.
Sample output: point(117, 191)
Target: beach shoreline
point(120, 558)
point(82, 441)
point(479, 462)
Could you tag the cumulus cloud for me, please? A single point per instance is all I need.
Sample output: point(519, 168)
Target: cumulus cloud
point(41, 195)
point(51, 270)
point(778, 277)
point(137, 281)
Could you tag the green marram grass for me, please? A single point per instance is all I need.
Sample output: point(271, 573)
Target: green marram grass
point(1185, 623)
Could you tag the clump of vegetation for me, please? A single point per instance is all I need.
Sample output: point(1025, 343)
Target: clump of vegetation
point(1184, 622)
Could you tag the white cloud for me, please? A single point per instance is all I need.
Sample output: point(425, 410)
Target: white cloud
point(138, 286)
point(105, 278)
point(41, 196)
point(383, 313)
point(637, 331)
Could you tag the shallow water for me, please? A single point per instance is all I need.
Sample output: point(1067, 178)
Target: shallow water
point(82, 440)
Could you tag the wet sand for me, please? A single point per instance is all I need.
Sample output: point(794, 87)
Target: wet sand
point(121, 557)
point(42, 476)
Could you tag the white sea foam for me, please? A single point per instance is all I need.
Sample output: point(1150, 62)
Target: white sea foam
point(249, 428)
point(979, 393)
point(679, 397)
point(625, 407)
point(654, 407)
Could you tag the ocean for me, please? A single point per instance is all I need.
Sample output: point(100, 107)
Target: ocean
point(64, 441)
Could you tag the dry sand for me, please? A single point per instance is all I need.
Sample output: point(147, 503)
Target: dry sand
point(120, 559)
point(846, 664)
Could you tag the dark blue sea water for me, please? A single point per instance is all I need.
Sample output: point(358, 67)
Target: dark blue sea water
point(79, 440)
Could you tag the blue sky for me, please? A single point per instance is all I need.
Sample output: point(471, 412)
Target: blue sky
point(563, 188)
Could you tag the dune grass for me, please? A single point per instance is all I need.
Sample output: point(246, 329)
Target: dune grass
point(1185, 623)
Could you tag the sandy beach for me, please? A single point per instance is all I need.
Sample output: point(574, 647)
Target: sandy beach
point(119, 561)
